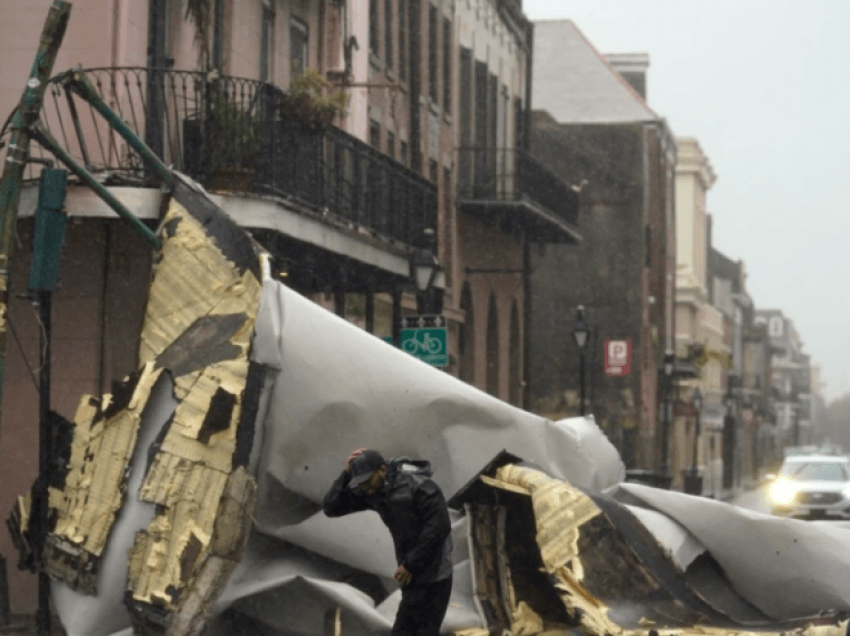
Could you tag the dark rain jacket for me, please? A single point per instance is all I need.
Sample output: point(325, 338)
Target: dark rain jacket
point(415, 512)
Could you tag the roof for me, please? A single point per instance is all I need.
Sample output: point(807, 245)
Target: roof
point(576, 84)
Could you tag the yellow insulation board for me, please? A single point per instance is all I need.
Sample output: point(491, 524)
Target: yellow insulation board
point(100, 453)
point(188, 475)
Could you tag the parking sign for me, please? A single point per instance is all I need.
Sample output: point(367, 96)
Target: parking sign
point(618, 357)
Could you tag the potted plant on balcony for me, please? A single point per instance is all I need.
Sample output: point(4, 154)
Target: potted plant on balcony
point(233, 139)
point(307, 103)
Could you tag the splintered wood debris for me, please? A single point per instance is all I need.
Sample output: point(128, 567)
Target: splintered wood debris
point(198, 328)
point(199, 301)
point(574, 542)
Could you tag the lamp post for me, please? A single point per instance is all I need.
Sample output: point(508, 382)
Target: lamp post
point(580, 333)
point(729, 432)
point(693, 481)
point(424, 269)
point(667, 368)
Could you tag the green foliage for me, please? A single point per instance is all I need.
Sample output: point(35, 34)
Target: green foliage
point(200, 14)
point(234, 133)
point(308, 103)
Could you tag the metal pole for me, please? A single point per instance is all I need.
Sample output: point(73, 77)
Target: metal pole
point(397, 316)
point(18, 151)
point(45, 139)
point(665, 428)
point(581, 379)
point(42, 616)
point(697, 433)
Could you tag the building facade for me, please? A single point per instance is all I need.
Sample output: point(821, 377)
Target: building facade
point(594, 128)
point(701, 334)
point(343, 199)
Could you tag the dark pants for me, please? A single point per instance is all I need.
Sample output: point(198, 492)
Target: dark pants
point(422, 609)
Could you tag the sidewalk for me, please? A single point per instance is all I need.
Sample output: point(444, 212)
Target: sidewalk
point(24, 625)
point(728, 494)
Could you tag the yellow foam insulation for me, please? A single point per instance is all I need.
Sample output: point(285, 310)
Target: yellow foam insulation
point(188, 475)
point(559, 511)
point(100, 453)
point(193, 279)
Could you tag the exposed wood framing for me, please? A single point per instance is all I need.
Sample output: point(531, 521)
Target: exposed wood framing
point(589, 563)
point(198, 327)
point(198, 324)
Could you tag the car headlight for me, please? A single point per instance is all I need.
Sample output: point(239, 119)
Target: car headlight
point(782, 491)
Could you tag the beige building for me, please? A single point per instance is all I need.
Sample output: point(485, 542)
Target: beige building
point(700, 331)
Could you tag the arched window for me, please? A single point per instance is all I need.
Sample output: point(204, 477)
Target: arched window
point(466, 337)
point(514, 360)
point(492, 347)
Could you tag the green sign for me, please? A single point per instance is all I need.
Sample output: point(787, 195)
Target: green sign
point(429, 345)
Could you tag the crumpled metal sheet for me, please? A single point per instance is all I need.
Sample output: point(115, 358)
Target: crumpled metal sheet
point(331, 387)
point(787, 568)
point(608, 579)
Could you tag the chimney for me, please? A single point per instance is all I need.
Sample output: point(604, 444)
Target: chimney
point(632, 66)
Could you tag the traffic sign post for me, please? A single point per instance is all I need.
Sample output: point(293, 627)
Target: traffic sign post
point(425, 337)
point(618, 357)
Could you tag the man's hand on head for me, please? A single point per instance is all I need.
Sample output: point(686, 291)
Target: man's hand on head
point(351, 458)
point(403, 576)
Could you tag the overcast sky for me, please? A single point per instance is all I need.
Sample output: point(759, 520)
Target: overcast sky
point(764, 85)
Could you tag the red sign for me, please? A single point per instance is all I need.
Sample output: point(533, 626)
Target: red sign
point(618, 357)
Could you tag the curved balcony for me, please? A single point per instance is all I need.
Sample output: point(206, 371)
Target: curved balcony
point(233, 134)
point(510, 183)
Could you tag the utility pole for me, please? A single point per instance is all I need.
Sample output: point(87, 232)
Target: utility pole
point(17, 155)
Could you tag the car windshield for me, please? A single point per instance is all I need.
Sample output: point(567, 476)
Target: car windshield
point(818, 471)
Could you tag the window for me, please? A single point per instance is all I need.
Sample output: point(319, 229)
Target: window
point(447, 65)
point(373, 26)
point(388, 33)
point(391, 144)
point(776, 326)
point(404, 154)
point(493, 357)
point(433, 171)
point(299, 39)
point(433, 61)
point(218, 35)
point(647, 235)
point(402, 40)
point(375, 134)
point(266, 41)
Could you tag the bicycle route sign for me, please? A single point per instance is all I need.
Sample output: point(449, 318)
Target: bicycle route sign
point(424, 337)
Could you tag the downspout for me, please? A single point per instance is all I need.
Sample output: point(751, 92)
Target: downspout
point(320, 44)
point(526, 243)
point(107, 249)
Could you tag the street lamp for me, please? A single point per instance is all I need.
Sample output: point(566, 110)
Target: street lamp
point(729, 432)
point(667, 368)
point(693, 481)
point(581, 332)
point(424, 269)
point(697, 402)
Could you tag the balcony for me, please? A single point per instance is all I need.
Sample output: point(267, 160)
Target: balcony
point(509, 185)
point(232, 134)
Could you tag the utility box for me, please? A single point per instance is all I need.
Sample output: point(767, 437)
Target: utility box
point(49, 231)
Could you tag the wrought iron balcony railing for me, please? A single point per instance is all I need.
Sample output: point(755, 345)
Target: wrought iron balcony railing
point(513, 175)
point(207, 127)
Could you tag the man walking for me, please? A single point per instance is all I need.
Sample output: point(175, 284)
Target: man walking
point(414, 509)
